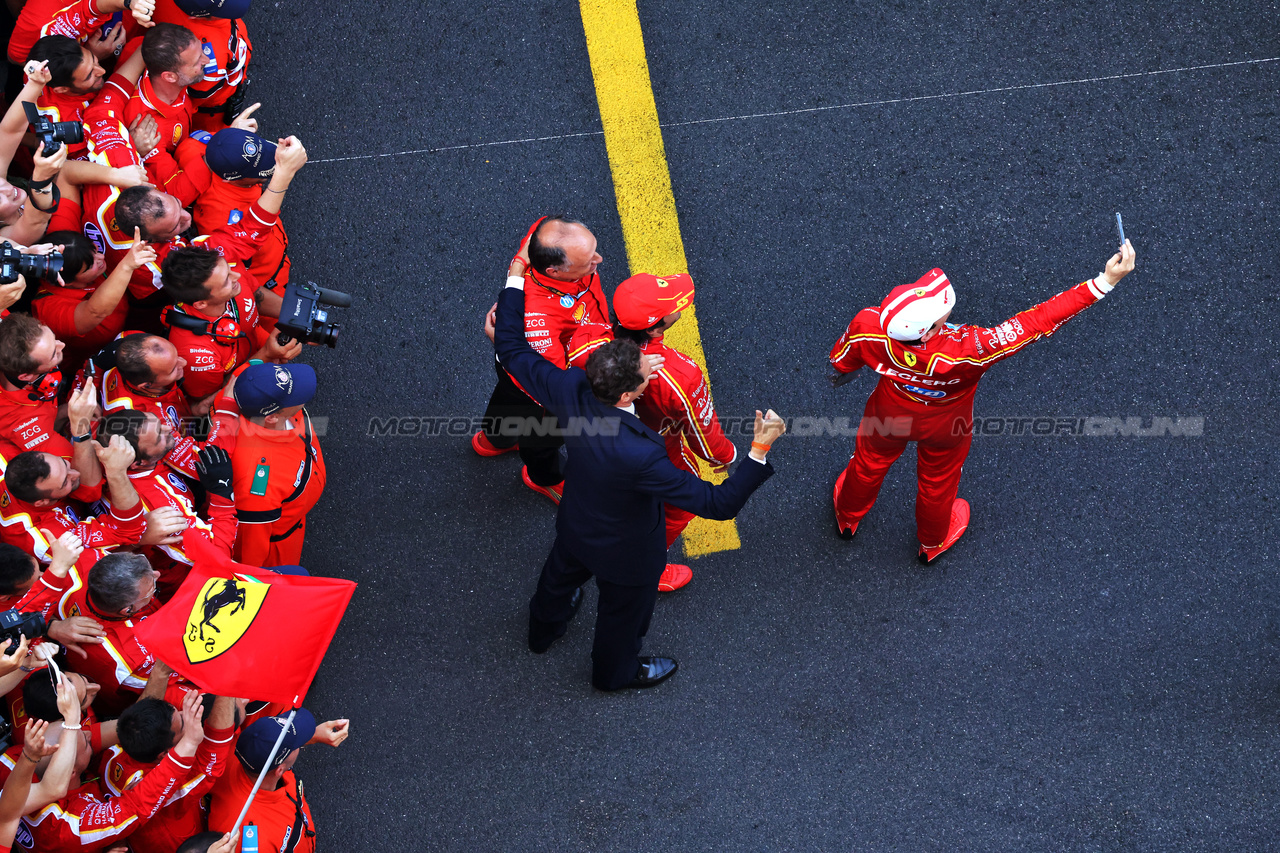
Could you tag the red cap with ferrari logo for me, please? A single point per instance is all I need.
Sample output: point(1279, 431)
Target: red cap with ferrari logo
point(909, 310)
point(643, 300)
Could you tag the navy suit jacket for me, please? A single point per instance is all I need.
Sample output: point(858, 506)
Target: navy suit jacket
point(618, 474)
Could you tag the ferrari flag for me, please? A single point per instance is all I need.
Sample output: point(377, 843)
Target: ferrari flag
point(235, 630)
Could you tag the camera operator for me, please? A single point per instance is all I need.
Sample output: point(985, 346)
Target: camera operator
point(215, 323)
point(24, 216)
point(242, 163)
point(87, 309)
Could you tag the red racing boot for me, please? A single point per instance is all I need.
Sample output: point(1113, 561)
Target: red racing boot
point(959, 524)
point(481, 444)
point(844, 529)
point(553, 492)
point(673, 577)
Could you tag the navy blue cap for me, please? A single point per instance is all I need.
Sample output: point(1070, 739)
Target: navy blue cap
point(214, 8)
point(265, 388)
point(257, 739)
point(233, 154)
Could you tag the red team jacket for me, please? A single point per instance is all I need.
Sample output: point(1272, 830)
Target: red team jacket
point(181, 814)
point(86, 819)
point(944, 372)
point(172, 408)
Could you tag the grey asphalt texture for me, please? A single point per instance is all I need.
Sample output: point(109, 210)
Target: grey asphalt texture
point(1095, 666)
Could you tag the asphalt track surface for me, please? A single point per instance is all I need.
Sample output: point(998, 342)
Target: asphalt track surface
point(1096, 666)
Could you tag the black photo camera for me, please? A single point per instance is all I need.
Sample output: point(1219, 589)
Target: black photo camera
point(14, 263)
point(14, 622)
point(52, 133)
point(302, 317)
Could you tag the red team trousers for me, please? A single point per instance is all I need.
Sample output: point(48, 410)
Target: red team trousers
point(942, 436)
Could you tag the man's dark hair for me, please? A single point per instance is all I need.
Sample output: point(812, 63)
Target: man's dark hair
point(639, 336)
point(40, 697)
point(541, 255)
point(146, 729)
point(113, 581)
point(25, 470)
point(200, 843)
point(63, 55)
point(613, 370)
point(18, 334)
point(137, 206)
point(16, 568)
point(125, 422)
point(185, 271)
point(162, 45)
point(77, 252)
point(132, 358)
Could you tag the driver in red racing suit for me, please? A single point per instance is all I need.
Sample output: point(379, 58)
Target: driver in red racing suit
point(929, 371)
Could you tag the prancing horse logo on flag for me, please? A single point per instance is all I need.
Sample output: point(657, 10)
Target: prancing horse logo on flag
point(223, 612)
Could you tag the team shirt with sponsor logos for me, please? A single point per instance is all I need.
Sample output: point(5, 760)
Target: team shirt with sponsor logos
point(87, 820)
point(171, 407)
point(226, 47)
point(945, 370)
point(180, 815)
point(173, 121)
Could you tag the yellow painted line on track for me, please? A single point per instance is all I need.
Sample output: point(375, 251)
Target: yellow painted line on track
point(642, 183)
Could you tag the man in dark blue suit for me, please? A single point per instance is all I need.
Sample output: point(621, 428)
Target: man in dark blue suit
point(610, 522)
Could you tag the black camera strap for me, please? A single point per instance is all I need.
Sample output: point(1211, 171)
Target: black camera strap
point(307, 456)
point(301, 826)
point(32, 186)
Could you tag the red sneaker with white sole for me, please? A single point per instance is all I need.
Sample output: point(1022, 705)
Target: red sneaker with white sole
point(553, 492)
point(673, 577)
point(959, 524)
point(844, 529)
point(481, 444)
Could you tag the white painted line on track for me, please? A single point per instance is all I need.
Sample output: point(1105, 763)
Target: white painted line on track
point(803, 110)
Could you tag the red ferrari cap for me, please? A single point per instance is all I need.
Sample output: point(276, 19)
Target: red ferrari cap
point(909, 310)
point(644, 299)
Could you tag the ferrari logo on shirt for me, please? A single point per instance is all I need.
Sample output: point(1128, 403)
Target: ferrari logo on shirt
point(910, 359)
point(919, 291)
point(223, 611)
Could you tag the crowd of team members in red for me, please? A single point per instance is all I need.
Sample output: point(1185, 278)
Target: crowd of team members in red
point(144, 393)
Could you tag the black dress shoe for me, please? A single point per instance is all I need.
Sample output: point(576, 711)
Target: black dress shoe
point(541, 635)
point(653, 670)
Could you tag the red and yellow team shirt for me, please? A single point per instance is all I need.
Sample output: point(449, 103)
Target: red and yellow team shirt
point(227, 50)
point(945, 370)
point(173, 121)
point(170, 407)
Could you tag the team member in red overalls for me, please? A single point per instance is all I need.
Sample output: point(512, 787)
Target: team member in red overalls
point(929, 370)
